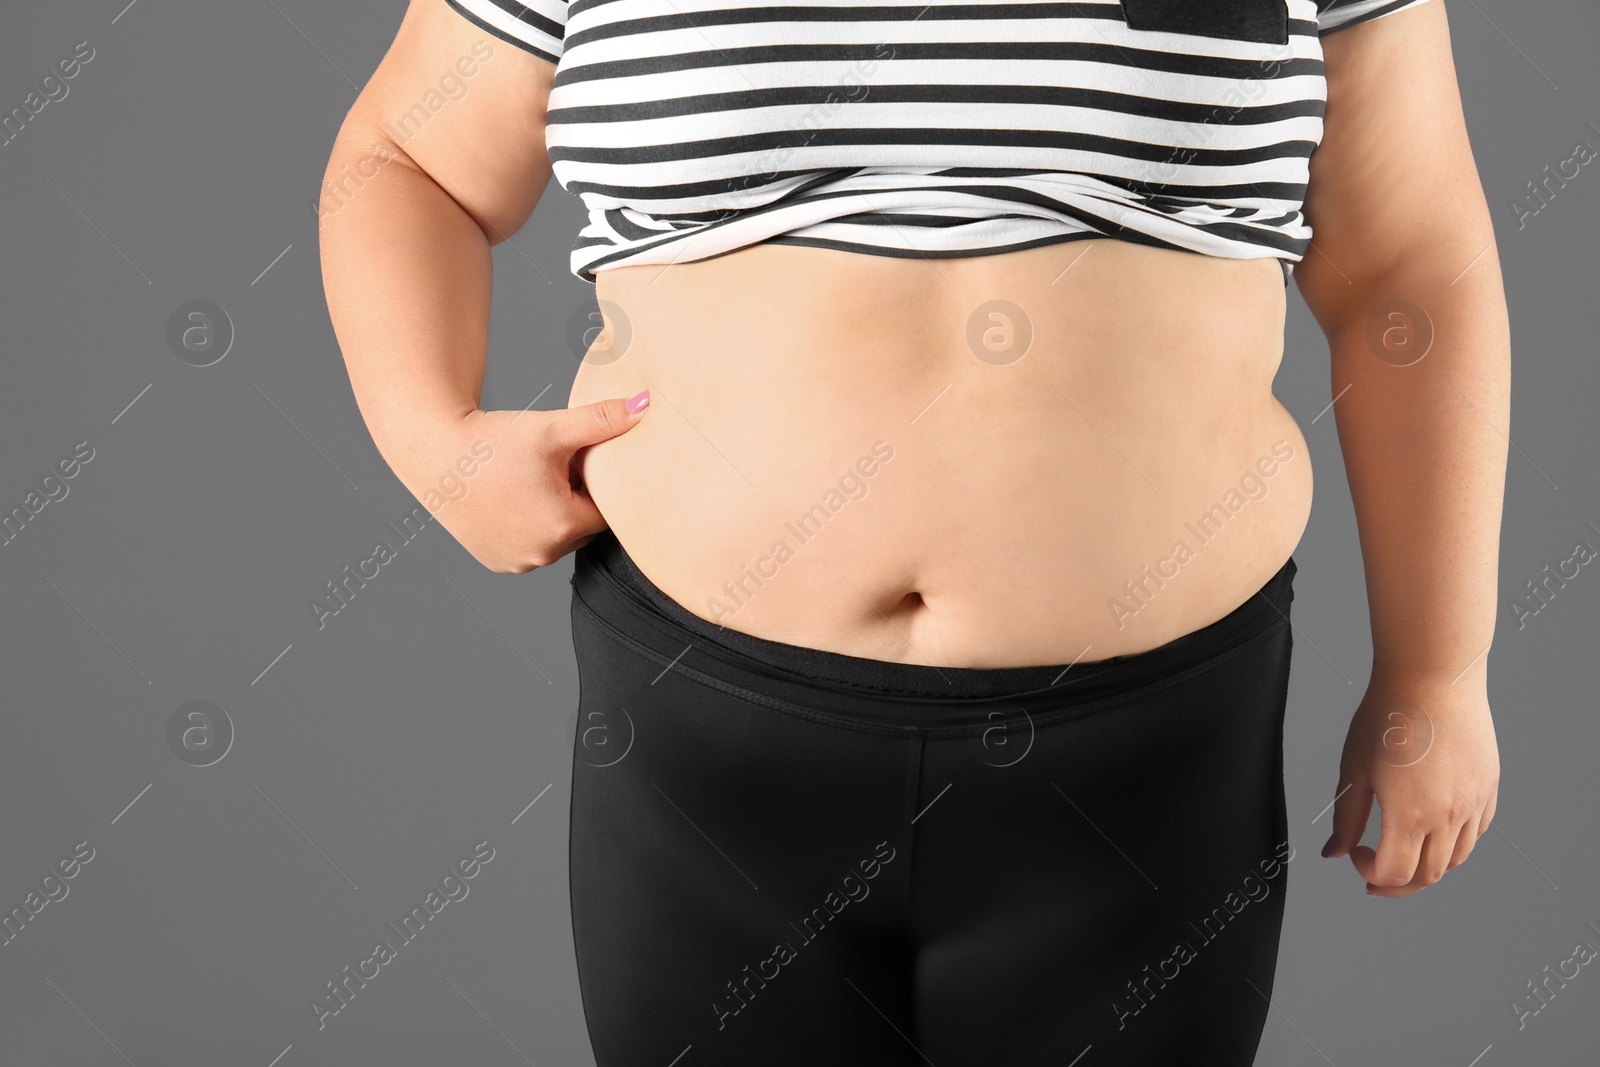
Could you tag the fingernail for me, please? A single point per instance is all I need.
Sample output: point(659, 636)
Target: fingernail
point(1327, 849)
point(638, 403)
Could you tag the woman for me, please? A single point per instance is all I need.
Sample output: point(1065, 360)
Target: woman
point(933, 510)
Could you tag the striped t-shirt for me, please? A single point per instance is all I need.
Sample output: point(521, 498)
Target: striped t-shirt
point(693, 128)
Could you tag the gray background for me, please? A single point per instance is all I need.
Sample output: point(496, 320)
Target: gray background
point(431, 711)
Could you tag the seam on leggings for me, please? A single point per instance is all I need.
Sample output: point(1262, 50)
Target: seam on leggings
point(572, 841)
point(1283, 814)
point(1043, 720)
point(572, 904)
point(914, 752)
point(917, 749)
point(572, 922)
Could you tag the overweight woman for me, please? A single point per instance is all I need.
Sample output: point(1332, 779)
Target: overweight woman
point(931, 507)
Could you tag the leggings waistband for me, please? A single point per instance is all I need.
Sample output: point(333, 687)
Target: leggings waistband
point(608, 583)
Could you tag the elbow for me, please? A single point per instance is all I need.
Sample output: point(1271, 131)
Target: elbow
point(348, 173)
point(365, 153)
point(360, 154)
point(1438, 290)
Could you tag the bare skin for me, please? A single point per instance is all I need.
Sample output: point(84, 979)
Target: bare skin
point(1020, 496)
point(1023, 497)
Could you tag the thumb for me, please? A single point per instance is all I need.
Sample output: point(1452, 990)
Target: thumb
point(587, 424)
point(1350, 813)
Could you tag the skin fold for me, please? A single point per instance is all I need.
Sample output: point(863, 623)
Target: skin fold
point(1043, 429)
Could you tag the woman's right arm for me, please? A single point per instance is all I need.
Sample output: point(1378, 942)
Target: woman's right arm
point(441, 156)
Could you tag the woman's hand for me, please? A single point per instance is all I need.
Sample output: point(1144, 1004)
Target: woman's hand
point(1426, 749)
point(524, 506)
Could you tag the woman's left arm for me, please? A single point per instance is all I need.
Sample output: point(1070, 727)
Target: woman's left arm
point(1404, 278)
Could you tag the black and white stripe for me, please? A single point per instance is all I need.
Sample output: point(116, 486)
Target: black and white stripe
point(693, 128)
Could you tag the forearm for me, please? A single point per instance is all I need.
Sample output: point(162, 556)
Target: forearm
point(1425, 453)
point(408, 276)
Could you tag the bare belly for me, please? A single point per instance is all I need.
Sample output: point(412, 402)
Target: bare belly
point(1067, 453)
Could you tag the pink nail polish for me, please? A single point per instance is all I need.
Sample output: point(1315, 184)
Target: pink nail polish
point(638, 403)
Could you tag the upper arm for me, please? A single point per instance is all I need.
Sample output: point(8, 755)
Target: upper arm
point(1393, 186)
point(461, 95)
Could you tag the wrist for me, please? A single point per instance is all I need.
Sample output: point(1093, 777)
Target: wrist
point(426, 444)
point(1409, 677)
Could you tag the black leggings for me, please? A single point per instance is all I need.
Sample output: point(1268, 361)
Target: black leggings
point(783, 856)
